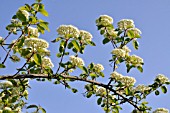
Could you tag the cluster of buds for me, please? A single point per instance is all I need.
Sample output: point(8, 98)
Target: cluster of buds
point(33, 31)
point(125, 24)
point(85, 36)
point(161, 110)
point(47, 62)
point(162, 78)
point(142, 88)
point(104, 20)
point(98, 67)
point(119, 52)
point(135, 60)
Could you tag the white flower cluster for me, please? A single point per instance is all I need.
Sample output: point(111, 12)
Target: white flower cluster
point(136, 31)
point(86, 36)
point(104, 20)
point(68, 30)
point(7, 109)
point(98, 67)
point(163, 79)
point(126, 49)
point(142, 88)
point(119, 52)
point(36, 43)
point(25, 13)
point(33, 31)
point(126, 80)
point(5, 84)
point(112, 32)
point(161, 110)
point(47, 62)
point(136, 60)
point(101, 91)
point(76, 61)
point(125, 24)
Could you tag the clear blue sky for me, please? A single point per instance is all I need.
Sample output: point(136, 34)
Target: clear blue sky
point(152, 17)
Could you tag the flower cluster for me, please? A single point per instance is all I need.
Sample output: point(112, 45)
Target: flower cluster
point(104, 20)
point(101, 91)
point(125, 80)
point(125, 24)
point(47, 62)
point(162, 78)
point(68, 31)
point(119, 52)
point(142, 88)
point(86, 36)
point(5, 84)
point(126, 49)
point(161, 110)
point(36, 43)
point(98, 67)
point(33, 31)
point(76, 61)
point(112, 32)
point(135, 31)
point(136, 60)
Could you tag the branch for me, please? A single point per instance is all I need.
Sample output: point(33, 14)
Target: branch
point(33, 76)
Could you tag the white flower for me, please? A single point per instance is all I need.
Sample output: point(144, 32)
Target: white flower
point(98, 67)
point(101, 91)
point(136, 60)
point(136, 32)
point(119, 52)
point(112, 32)
point(115, 75)
point(68, 31)
point(33, 31)
point(36, 43)
point(86, 36)
point(5, 84)
point(7, 109)
point(18, 109)
point(127, 81)
point(125, 24)
point(163, 79)
point(142, 88)
point(104, 20)
point(76, 61)
point(126, 49)
point(15, 21)
point(25, 13)
point(161, 110)
point(47, 62)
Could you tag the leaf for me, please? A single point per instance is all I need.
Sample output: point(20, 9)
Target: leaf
point(99, 101)
point(44, 25)
point(2, 66)
point(130, 34)
point(56, 40)
point(83, 68)
point(140, 68)
point(156, 92)
point(164, 89)
point(37, 59)
point(102, 32)
point(43, 12)
point(42, 109)
point(106, 40)
point(21, 16)
point(70, 45)
point(32, 106)
point(76, 45)
point(74, 90)
point(58, 55)
point(101, 74)
point(135, 44)
point(91, 43)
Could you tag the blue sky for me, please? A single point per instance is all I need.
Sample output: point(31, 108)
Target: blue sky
point(150, 16)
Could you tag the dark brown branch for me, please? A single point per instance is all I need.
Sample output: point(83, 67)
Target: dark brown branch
point(34, 76)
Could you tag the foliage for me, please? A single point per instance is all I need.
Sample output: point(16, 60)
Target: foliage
point(72, 42)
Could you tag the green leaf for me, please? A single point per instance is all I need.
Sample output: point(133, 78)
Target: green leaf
point(44, 25)
point(32, 106)
point(58, 55)
point(91, 43)
point(21, 16)
point(164, 89)
point(43, 12)
point(70, 45)
point(37, 59)
point(135, 44)
point(140, 68)
point(130, 34)
point(106, 40)
point(83, 68)
point(102, 32)
point(74, 90)
point(101, 74)
point(76, 45)
point(99, 101)
point(89, 94)
point(56, 40)
point(2, 66)
point(40, 29)
point(93, 75)
point(42, 109)
point(156, 92)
